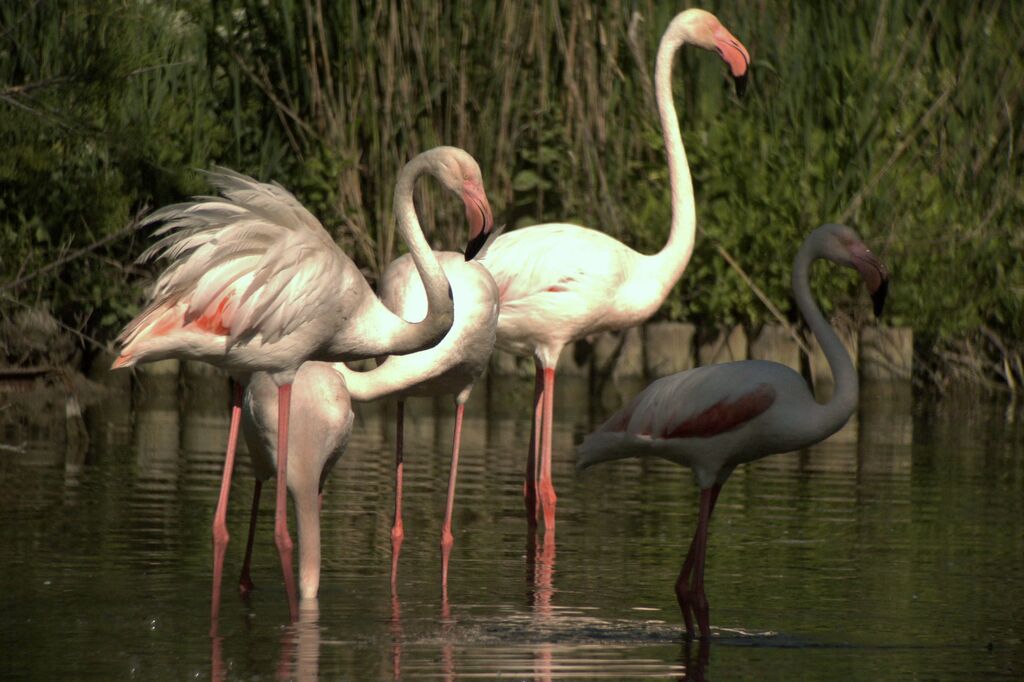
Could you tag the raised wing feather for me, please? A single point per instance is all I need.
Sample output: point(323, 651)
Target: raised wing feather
point(256, 244)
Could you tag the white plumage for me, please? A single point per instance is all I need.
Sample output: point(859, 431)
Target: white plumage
point(559, 282)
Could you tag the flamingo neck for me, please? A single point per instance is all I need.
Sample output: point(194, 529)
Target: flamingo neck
point(414, 336)
point(376, 383)
point(838, 409)
point(672, 260)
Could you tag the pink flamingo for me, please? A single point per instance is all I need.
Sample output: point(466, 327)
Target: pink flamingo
point(561, 282)
point(713, 418)
point(318, 437)
point(256, 284)
point(449, 368)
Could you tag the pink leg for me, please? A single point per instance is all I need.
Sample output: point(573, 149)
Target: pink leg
point(530, 482)
point(446, 531)
point(684, 595)
point(245, 584)
point(397, 531)
point(545, 489)
point(281, 536)
point(220, 527)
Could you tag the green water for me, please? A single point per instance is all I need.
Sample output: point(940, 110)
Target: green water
point(894, 550)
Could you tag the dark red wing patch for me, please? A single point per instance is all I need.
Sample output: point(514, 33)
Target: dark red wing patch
point(724, 416)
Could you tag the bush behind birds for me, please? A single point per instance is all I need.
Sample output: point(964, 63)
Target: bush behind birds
point(900, 118)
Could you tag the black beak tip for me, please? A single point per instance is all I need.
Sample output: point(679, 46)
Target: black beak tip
point(475, 244)
point(878, 298)
point(741, 83)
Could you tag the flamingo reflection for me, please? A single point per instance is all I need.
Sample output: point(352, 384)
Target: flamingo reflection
point(540, 572)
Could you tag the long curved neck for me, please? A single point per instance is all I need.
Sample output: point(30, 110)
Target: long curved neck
point(836, 411)
point(440, 309)
point(674, 257)
point(379, 382)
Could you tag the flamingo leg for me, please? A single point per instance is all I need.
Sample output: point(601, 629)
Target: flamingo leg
point(530, 481)
point(447, 540)
point(220, 527)
point(245, 583)
point(281, 536)
point(545, 488)
point(695, 598)
point(397, 532)
point(683, 593)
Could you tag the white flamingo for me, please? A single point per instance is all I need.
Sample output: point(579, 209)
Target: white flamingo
point(713, 418)
point(256, 284)
point(560, 282)
point(322, 394)
point(321, 427)
point(449, 368)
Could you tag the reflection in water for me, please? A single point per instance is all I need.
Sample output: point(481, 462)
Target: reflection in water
point(300, 645)
point(107, 563)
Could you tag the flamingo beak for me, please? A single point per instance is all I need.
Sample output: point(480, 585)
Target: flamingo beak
point(479, 216)
point(874, 274)
point(735, 55)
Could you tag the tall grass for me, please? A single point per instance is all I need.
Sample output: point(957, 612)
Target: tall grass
point(900, 117)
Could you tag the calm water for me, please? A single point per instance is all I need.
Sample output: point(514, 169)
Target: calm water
point(894, 550)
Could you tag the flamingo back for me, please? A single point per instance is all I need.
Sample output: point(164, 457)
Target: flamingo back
point(254, 262)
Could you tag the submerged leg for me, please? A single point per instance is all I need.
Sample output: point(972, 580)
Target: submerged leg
point(447, 540)
point(684, 593)
point(397, 532)
point(281, 537)
point(532, 458)
point(545, 488)
point(220, 528)
point(245, 581)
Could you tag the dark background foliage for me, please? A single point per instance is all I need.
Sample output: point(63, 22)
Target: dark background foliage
point(901, 118)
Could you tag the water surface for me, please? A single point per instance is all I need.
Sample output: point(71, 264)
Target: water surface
point(893, 550)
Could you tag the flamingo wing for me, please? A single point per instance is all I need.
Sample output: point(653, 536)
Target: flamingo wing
point(252, 261)
point(700, 403)
point(554, 258)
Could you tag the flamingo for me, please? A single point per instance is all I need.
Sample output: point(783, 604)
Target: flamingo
point(562, 282)
point(321, 429)
point(449, 368)
point(713, 418)
point(256, 284)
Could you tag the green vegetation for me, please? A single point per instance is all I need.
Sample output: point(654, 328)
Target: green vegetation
point(901, 118)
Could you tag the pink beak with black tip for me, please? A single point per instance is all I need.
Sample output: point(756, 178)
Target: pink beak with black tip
point(735, 55)
point(479, 216)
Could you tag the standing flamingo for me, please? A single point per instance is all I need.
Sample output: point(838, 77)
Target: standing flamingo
point(716, 417)
point(449, 368)
point(318, 437)
point(560, 282)
point(257, 284)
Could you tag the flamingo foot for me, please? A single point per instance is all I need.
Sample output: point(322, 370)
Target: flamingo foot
point(284, 548)
point(220, 544)
point(397, 535)
point(685, 599)
point(530, 501)
point(548, 502)
point(702, 611)
point(245, 585)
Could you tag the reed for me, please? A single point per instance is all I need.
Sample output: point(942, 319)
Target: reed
point(901, 117)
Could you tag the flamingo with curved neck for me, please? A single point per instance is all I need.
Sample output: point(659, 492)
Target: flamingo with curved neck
point(561, 282)
point(713, 418)
point(255, 284)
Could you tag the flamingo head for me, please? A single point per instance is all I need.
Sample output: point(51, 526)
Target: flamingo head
point(842, 244)
point(460, 173)
point(703, 29)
